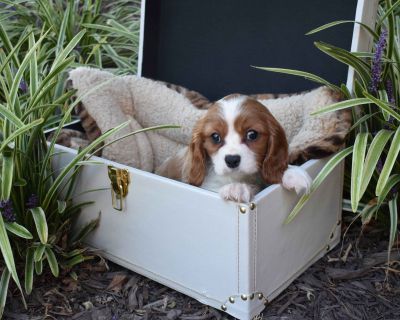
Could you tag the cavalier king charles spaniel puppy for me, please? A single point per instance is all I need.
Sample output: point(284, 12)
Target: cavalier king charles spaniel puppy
point(237, 148)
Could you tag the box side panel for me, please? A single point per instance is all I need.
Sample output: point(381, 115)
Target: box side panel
point(362, 40)
point(284, 251)
point(141, 37)
point(180, 235)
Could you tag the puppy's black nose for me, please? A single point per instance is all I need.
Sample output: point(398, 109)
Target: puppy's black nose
point(232, 161)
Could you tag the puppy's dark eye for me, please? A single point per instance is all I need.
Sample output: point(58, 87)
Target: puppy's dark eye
point(251, 135)
point(216, 138)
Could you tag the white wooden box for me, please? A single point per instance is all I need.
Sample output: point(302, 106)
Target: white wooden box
point(234, 257)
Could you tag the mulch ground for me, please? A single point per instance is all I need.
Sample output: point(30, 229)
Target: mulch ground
point(352, 282)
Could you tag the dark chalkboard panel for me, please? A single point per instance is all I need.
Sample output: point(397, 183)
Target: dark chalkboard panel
point(210, 45)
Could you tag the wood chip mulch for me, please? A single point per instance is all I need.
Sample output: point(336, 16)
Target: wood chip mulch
point(353, 281)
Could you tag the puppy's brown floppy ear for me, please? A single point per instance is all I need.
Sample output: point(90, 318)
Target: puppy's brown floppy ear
point(277, 157)
point(197, 157)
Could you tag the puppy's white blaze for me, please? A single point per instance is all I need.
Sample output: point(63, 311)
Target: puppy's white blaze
point(230, 110)
point(296, 178)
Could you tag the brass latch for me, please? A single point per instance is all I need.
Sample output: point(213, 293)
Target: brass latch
point(119, 186)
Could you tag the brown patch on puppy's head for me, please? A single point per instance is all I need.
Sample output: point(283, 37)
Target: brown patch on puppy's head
point(270, 145)
point(202, 146)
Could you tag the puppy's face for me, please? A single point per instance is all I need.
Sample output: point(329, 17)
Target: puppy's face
point(240, 137)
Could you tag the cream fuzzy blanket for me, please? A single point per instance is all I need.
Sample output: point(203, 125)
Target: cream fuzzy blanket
point(149, 103)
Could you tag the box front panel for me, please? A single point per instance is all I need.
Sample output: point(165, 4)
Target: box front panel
point(177, 234)
point(285, 250)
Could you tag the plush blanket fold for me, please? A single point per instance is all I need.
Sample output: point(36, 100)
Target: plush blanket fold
point(109, 100)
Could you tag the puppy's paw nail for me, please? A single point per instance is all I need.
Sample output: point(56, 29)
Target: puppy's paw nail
point(238, 192)
point(296, 178)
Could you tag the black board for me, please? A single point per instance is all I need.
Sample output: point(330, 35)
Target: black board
point(210, 45)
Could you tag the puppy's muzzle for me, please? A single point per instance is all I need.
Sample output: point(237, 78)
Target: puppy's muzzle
point(232, 161)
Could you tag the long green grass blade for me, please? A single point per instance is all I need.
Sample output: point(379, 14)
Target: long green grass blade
point(50, 81)
point(367, 213)
point(6, 43)
point(357, 167)
point(346, 57)
point(51, 258)
point(33, 70)
point(346, 206)
point(384, 106)
point(12, 54)
point(7, 174)
point(63, 28)
point(390, 184)
point(46, 14)
point(374, 152)
point(19, 132)
point(6, 113)
point(61, 206)
point(335, 23)
point(18, 230)
point(67, 50)
point(77, 260)
point(41, 224)
point(384, 97)
point(325, 171)
point(39, 267)
point(8, 256)
point(39, 251)
point(391, 36)
point(393, 221)
point(85, 230)
point(113, 31)
point(342, 105)
point(303, 74)
point(29, 271)
point(389, 163)
point(362, 120)
point(4, 282)
point(20, 73)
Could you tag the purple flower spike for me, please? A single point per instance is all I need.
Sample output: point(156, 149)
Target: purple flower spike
point(23, 86)
point(7, 210)
point(33, 201)
point(389, 91)
point(376, 71)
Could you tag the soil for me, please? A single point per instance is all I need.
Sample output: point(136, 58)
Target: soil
point(353, 281)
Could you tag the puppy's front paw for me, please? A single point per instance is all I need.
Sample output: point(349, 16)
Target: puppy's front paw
point(238, 192)
point(296, 178)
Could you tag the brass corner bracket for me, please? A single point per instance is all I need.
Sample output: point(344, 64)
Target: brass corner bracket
point(244, 297)
point(243, 208)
